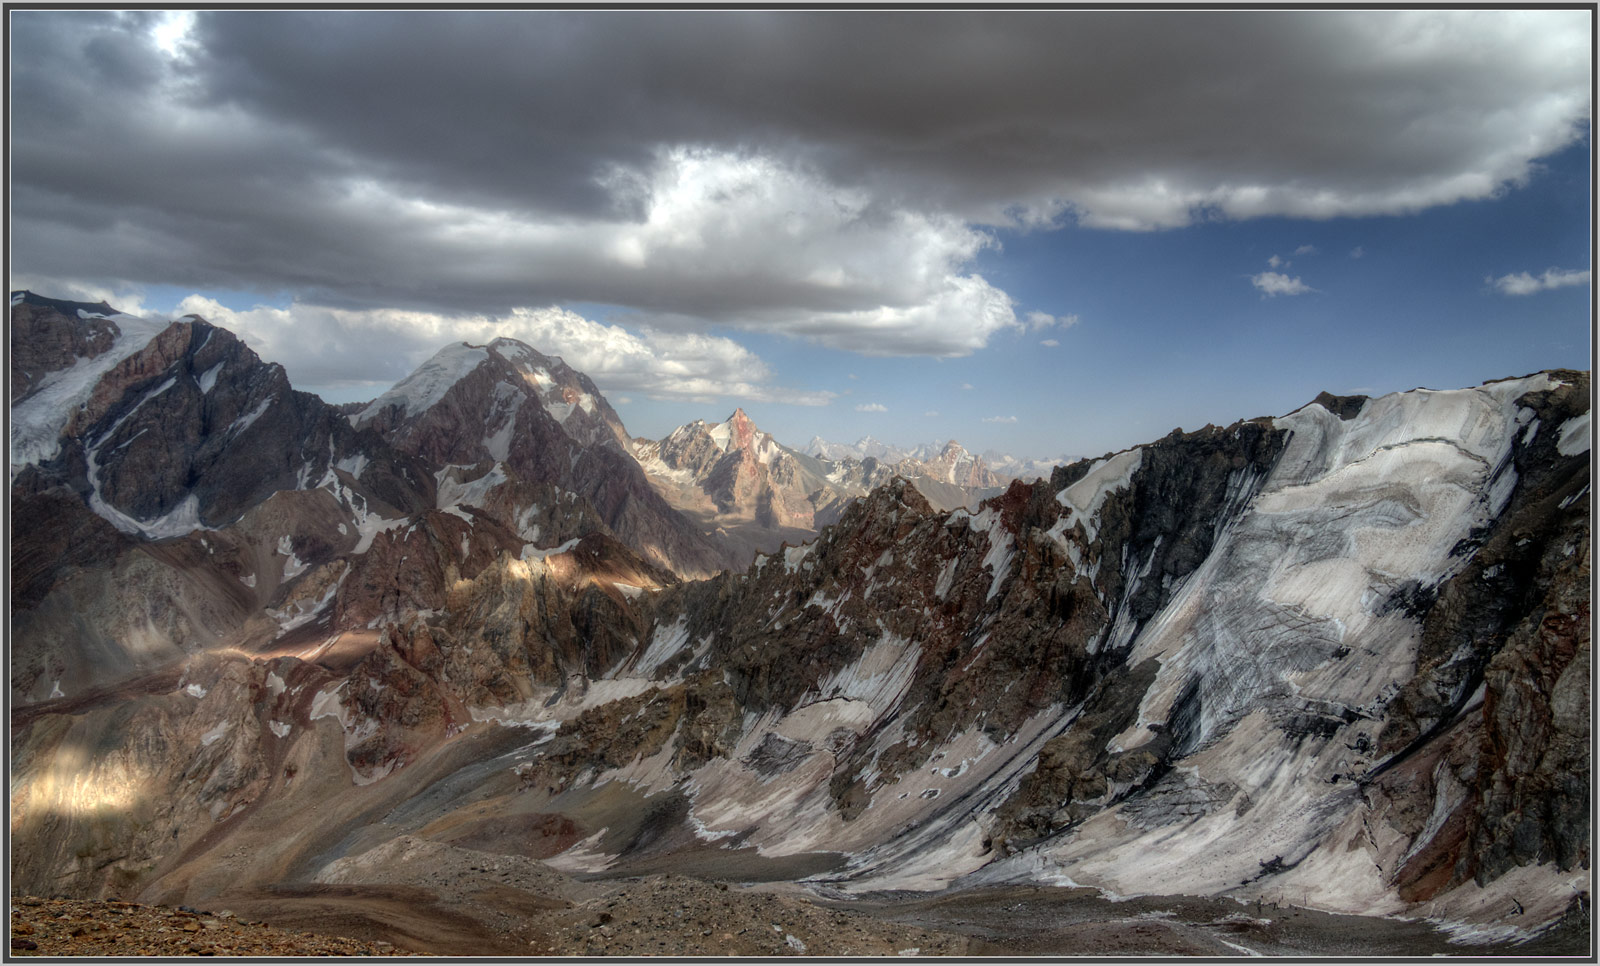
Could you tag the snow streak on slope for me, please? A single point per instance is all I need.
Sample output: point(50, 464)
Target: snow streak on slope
point(38, 420)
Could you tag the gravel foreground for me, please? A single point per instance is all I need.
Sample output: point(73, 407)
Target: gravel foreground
point(86, 927)
point(675, 915)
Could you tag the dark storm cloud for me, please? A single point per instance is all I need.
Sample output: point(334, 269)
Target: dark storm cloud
point(826, 174)
point(975, 109)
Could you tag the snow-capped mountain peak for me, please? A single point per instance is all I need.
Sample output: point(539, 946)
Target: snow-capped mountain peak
point(422, 390)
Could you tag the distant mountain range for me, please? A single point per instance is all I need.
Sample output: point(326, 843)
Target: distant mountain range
point(1338, 658)
point(1001, 464)
point(746, 488)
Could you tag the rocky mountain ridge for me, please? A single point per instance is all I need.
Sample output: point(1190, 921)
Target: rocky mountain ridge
point(750, 491)
point(741, 484)
point(1337, 658)
point(992, 468)
point(173, 493)
point(508, 404)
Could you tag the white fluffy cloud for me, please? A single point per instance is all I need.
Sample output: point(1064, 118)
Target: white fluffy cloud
point(344, 353)
point(999, 419)
point(1044, 320)
point(1524, 283)
point(1052, 343)
point(872, 408)
point(1276, 283)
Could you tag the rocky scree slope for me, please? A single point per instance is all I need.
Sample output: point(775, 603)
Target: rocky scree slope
point(1263, 646)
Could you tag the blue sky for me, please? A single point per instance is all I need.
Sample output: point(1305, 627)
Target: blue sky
point(1071, 238)
point(1172, 333)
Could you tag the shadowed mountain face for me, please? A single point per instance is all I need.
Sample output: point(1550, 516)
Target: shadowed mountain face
point(507, 403)
point(1338, 658)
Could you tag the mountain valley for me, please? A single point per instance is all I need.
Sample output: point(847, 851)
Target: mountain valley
point(1301, 685)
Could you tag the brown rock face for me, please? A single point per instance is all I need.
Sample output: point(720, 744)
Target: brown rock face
point(155, 773)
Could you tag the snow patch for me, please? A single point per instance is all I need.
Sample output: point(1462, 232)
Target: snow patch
point(353, 464)
point(38, 420)
point(299, 613)
point(792, 556)
point(422, 390)
point(722, 435)
point(248, 419)
point(1084, 498)
point(665, 641)
point(880, 677)
point(294, 566)
point(947, 578)
point(211, 736)
point(279, 728)
point(534, 553)
point(208, 380)
point(1574, 438)
point(452, 492)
